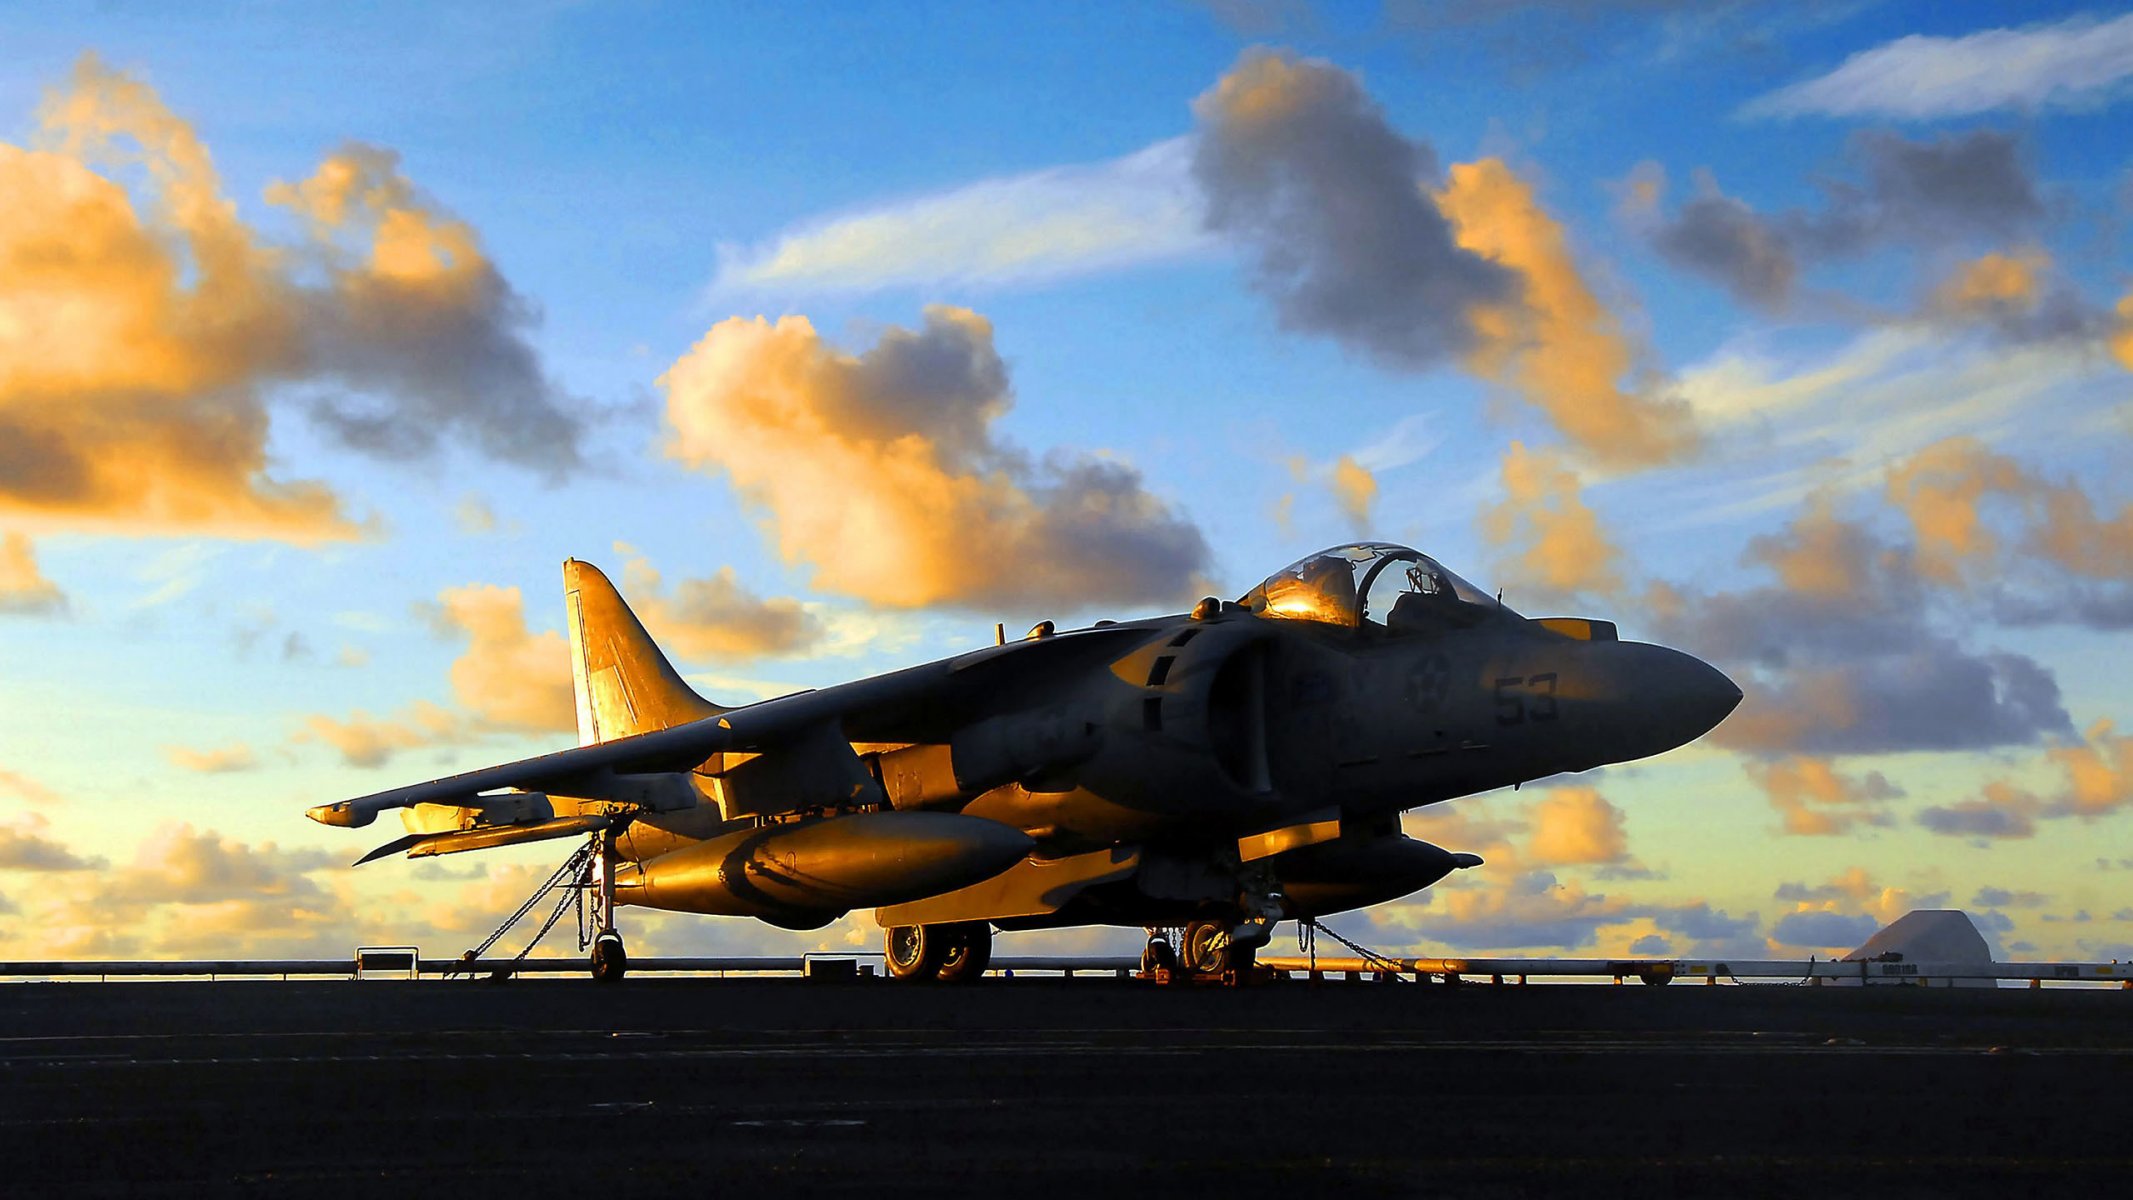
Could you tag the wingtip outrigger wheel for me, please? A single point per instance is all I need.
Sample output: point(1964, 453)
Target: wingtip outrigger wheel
point(609, 960)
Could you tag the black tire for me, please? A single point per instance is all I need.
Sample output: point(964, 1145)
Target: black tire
point(1158, 956)
point(610, 962)
point(1200, 953)
point(967, 953)
point(913, 951)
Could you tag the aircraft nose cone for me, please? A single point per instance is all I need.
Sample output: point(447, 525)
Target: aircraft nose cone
point(1687, 696)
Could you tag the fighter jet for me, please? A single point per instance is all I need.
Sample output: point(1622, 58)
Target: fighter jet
point(1213, 772)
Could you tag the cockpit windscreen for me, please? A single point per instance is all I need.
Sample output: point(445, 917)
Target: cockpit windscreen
point(1372, 585)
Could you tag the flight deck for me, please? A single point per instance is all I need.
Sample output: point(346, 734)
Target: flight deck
point(1030, 1086)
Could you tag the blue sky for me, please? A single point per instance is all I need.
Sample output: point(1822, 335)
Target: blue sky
point(1797, 336)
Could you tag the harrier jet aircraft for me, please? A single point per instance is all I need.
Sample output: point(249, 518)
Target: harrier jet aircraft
point(1218, 770)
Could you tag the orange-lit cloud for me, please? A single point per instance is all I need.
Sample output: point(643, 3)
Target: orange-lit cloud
point(881, 471)
point(142, 330)
point(1562, 548)
point(23, 588)
point(1576, 825)
point(1356, 489)
point(129, 343)
point(1556, 345)
point(26, 789)
point(1841, 914)
point(25, 845)
point(1816, 801)
point(219, 761)
point(1994, 284)
point(1821, 556)
point(716, 619)
point(1942, 490)
point(2099, 771)
point(2121, 338)
point(509, 678)
point(190, 893)
point(364, 741)
point(1939, 490)
point(2096, 774)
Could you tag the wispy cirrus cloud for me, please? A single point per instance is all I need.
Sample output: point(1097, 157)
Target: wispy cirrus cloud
point(1010, 229)
point(2075, 63)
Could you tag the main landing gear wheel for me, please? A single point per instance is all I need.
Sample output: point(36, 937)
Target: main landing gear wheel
point(916, 951)
point(967, 952)
point(1158, 956)
point(609, 960)
point(1211, 949)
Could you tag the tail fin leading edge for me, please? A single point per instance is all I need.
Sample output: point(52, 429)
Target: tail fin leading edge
point(623, 684)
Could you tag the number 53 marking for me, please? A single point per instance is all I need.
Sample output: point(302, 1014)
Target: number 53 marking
point(1525, 698)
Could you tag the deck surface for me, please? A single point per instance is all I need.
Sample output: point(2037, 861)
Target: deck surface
point(1029, 1087)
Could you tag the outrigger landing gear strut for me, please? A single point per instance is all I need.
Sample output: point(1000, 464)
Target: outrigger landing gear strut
point(587, 879)
point(609, 960)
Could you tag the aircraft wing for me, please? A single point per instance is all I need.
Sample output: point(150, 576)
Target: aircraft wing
point(918, 704)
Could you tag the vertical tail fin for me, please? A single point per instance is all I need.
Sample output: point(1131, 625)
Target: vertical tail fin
point(624, 685)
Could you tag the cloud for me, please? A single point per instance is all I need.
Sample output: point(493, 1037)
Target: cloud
point(2060, 541)
point(1835, 657)
point(1529, 910)
point(2076, 63)
point(420, 322)
point(1843, 913)
point(1930, 192)
point(129, 344)
point(2096, 780)
point(1994, 284)
point(1816, 929)
point(180, 865)
point(509, 678)
point(1576, 825)
point(1993, 897)
point(716, 619)
point(1563, 549)
point(1355, 488)
point(1033, 227)
point(366, 742)
point(882, 472)
point(1349, 238)
point(1553, 342)
point(192, 893)
point(2122, 336)
point(234, 757)
point(1299, 166)
point(2099, 772)
point(2001, 811)
point(26, 789)
point(23, 588)
point(140, 336)
point(1816, 801)
point(474, 516)
point(24, 846)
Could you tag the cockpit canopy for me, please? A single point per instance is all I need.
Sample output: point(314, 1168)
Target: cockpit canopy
point(1372, 585)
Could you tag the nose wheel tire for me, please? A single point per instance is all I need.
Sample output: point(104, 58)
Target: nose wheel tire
point(609, 960)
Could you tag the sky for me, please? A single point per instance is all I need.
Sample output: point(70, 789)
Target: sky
point(1797, 336)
